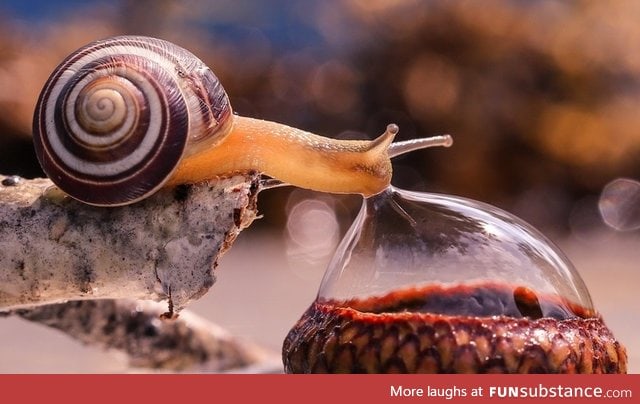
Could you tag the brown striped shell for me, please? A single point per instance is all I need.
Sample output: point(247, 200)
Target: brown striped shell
point(116, 116)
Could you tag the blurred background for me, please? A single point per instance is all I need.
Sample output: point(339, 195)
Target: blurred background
point(542, 99)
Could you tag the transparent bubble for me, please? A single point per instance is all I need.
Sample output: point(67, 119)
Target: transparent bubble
point(421, 252)
point(620, 204)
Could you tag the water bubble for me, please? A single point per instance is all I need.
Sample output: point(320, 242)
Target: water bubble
point(470, 257)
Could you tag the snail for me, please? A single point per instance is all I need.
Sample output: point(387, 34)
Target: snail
point(428, 283)
point(124, 116)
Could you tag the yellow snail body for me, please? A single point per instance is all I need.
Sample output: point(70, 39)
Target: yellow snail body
point(122, 117)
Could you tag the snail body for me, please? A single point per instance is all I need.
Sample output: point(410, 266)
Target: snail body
point(295, 157)
point(122, 117)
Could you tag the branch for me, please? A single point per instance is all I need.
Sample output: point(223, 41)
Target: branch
point(188, 343)
point(54, 249)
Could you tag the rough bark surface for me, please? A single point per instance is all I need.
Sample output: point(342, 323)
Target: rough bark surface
point(54, 249)
point(186, 344)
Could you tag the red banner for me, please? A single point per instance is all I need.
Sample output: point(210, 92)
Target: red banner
point(309, 389)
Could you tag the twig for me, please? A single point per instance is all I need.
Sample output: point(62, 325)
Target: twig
point(188, 343)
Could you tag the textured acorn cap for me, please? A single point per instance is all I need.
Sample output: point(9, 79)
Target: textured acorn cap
point(331, 339)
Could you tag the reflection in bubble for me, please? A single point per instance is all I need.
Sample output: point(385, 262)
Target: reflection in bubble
point(620, 204)
point(312, 233)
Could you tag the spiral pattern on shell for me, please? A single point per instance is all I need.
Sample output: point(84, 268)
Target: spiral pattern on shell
point(116, 116)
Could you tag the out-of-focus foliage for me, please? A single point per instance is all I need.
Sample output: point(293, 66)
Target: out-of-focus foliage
point(542, 98)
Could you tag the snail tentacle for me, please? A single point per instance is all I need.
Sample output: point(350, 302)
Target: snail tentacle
point(399, 148)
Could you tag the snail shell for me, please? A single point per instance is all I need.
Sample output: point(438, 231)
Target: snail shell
point(116, 116)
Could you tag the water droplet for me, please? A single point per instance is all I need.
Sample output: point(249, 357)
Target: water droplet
point(11, 181)
point(451, 255)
